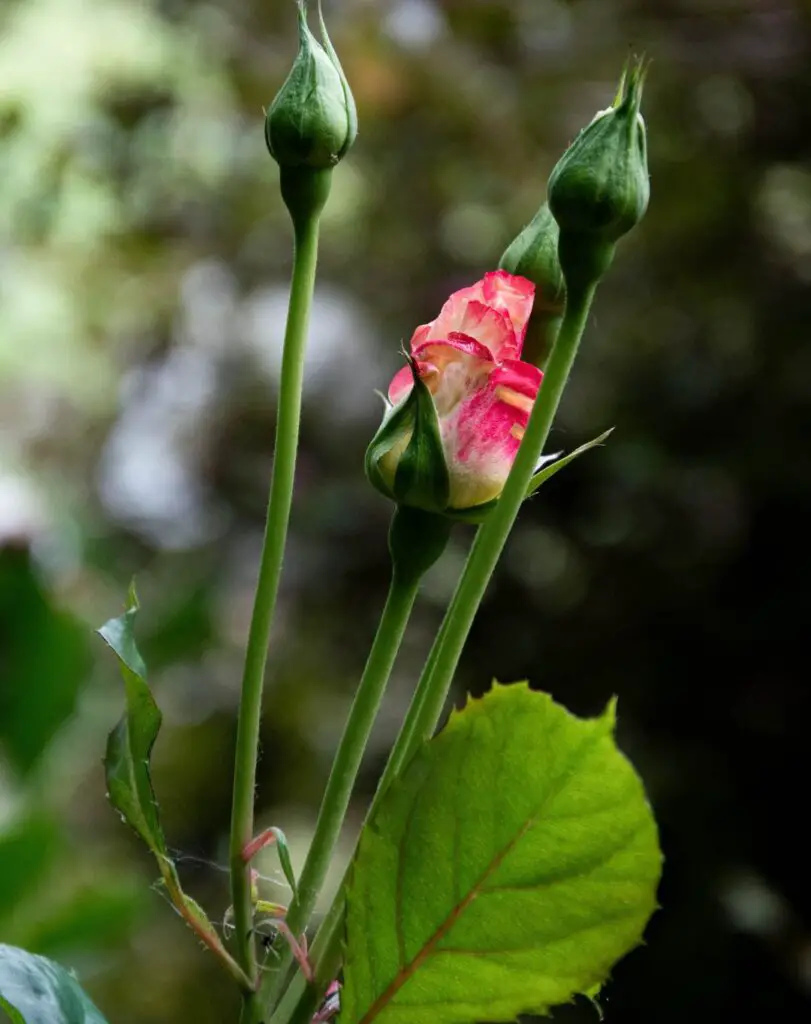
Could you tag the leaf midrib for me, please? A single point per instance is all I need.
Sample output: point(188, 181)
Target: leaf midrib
point(407, 970)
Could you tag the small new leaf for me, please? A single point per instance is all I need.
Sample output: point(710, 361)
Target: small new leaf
point(554, 467)
point(284, 859)
point(551, 464)
point(506, 871)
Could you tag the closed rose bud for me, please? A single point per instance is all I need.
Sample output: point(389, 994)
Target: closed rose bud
point(312, 121)
point(456, 414)
point(534, 255)
point(599, 189)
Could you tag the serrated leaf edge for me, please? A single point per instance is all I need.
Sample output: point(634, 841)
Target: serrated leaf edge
point(474, 704)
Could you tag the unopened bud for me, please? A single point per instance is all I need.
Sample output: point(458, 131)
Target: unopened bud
point(599, 189)
point(312, 122)
point(534, 255)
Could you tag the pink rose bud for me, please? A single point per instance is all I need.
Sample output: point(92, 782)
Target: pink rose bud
point(456, 414)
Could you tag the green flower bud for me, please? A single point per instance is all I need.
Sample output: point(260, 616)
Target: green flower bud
point(405, 460)
point(312, 122)
point(599, 189)
point(534, 255)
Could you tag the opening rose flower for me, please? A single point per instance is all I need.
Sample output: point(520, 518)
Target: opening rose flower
point(456, 414)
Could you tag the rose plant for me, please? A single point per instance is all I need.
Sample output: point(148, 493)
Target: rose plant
point(507, 862)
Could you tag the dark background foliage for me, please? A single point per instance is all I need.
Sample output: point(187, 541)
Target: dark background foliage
point(144, 258)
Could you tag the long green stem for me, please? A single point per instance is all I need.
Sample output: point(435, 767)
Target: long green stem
point(405, 743)
point(270, 567)
point(394, 619)
point(432, 689)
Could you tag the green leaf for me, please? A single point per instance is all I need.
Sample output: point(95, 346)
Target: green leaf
point(118, 634)
point(549, 471)
point(283, 850)
point(506, 871)
point(129, 782)
point(129, 745)
point(13, 1015)
point(35, 990)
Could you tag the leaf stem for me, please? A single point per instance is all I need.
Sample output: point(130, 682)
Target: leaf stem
point(200, 925)
point(405, 744)
point(306, 225)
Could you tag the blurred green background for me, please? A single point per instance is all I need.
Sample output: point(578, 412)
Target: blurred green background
point(144, 261)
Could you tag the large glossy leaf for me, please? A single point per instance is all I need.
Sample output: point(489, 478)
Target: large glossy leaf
point(514, 862)
point(35, 990)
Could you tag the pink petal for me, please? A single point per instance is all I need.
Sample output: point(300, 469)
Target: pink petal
point(482, 435)
point(401, 385)
point(509, 298)
point(523, 378)
point(456, 345)
point(420, 335)
point(450, 368)
point(512, 295)
point(453, 312)
point(453, 369)
point(490, 327)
